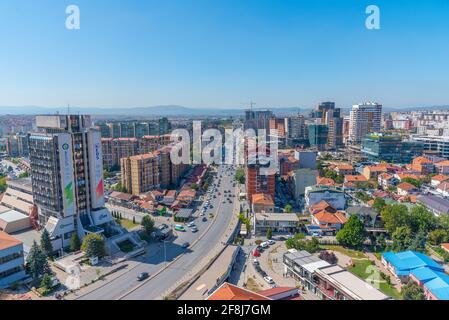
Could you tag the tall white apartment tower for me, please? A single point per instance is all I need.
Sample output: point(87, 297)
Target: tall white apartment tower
point(364, 118)
point(67, 177)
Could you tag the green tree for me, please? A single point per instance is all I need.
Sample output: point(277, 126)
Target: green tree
point(194, 186)
point(422, 219)
point(2, 184)
point(438, 236)
point(402, 238)
point(240, 175)
point(46, 282)
point(269, 233)
point(46, 245)
point(36, 263)
point(299, 242)
point(412, 291)
point(379, 204)
point(93, 245)
point(353, 233)
point(288, 208)
point(395, 216)
point(75, 243)
point(147, 224)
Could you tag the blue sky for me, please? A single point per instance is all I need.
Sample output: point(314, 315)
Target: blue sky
point(223, 53)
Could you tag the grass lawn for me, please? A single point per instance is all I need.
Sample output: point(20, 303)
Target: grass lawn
point(349, 252)
point(361, 270)
point(128, 224)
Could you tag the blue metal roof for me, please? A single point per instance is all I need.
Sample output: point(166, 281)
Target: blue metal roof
point(406, 261)
point(439, 287)
point(426, 274)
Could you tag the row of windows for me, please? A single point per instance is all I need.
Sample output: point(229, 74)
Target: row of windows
point(9, 272)
point(11, 257)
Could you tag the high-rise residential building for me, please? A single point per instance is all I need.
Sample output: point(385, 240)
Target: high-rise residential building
point(380, 147)
point(17, 145)
point(67, 177)
point(318, 136)
point(141, 129)
point(127, 130)
point(279, 125)
point(164, 126)
point(326, 113)
point(114, 130)
point(364, 118)
point(105, 130)
point(116, 149)
point(295, 127)
point(257, 119)
point(145, 172)
point(260, 175)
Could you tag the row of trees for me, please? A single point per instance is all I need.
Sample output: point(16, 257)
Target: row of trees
point(299, 242)
point(240, 175)
point(411, 229)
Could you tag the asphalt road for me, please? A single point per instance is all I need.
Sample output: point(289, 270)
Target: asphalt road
point(127, 287)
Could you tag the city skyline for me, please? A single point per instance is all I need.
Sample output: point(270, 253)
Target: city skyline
point(221, 55)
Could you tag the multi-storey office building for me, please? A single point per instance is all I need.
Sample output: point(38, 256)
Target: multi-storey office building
point(434, 145)
point(379, 147)
point(67, 177)
point(318, 136)
point(364, 118)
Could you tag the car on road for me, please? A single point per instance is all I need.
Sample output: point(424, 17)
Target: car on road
point(268, 279)
point(185, 245)
point(142, 276)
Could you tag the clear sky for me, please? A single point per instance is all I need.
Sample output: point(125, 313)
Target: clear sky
point(223, 53)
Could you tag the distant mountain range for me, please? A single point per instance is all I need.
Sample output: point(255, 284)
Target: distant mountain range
point(174, 111)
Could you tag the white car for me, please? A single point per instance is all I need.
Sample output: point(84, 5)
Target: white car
point(191, 224)
point(264, 244)
point(269, 280)
point(271, 242)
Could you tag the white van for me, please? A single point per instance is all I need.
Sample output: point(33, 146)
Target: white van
point(264, 244)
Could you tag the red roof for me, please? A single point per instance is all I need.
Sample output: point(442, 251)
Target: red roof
point(406, 186)
point(229, 291)
point(275, 291)
point(7, 241)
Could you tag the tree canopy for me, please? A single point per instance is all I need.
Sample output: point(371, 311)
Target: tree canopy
point(353, 233)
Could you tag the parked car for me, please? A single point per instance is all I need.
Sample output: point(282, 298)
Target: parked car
point(204, 219)
point(142, 276)
point(191, 224)
point(271, 242)
point(255, 262)
point(194, 229)
point(268, 279)
point(264, 244)
point(179, 227)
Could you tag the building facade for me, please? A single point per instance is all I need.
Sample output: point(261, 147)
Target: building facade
point(67, 176)
point(364, 118)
